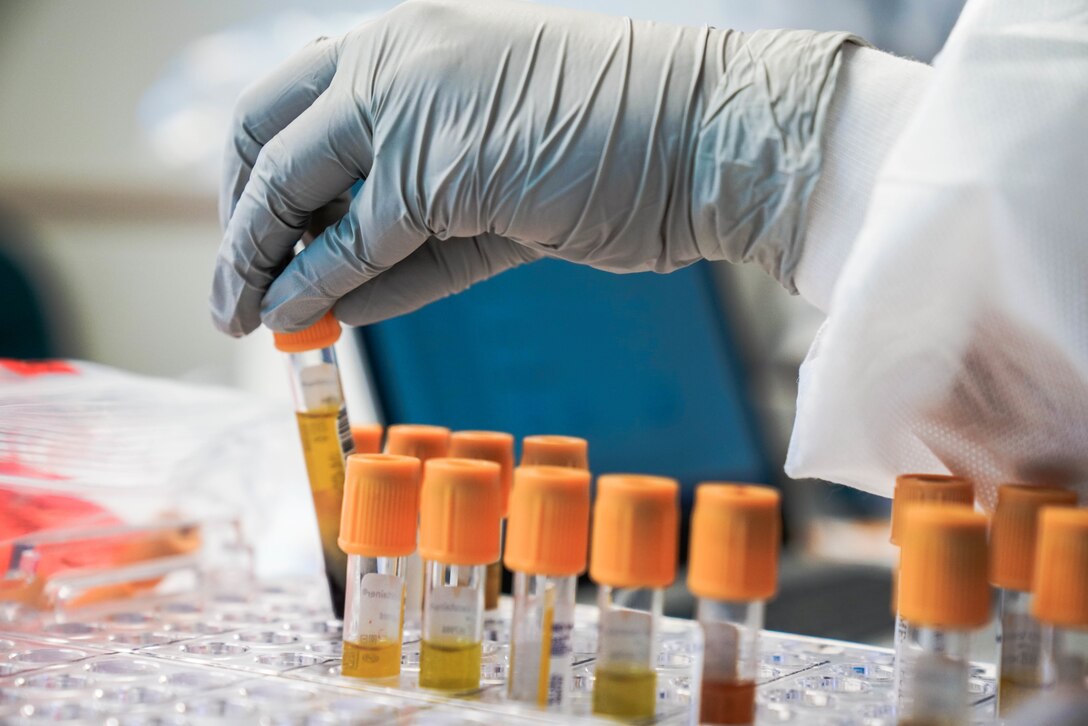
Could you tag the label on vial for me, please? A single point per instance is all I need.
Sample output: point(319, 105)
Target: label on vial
point(626, 637)
point(900, 632)
point(380, 602)
point(1020, 643)
point(722, 651)
point(320, 386)
point(455, 613)
point(932, 686)
point(562, 645)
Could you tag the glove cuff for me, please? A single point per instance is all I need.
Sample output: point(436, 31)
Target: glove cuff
point(758, 148)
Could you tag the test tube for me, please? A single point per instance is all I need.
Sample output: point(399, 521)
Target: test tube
point(458, 537)
point(367, 438)
point(546, 549)
point(423, 442)
point(911, 489)
point(552, 450)
point(632, 560)
point(1060, 585)
point(733, 570)
point(377, 532)
point(944, 598)
point(497, 447)
point(326, 437)
point(1021, 668)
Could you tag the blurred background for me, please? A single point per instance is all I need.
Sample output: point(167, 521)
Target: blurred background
point(112, 121)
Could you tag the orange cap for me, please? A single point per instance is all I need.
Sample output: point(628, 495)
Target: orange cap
point(321, 334)
point(1013, 530)
point(488, 446)
point(735, 531)
point(555, 451)
point(381, 503)
point(548, 529)
point(936, 488)
point(1061, 567)
point(942, 570)
point(459, 512)
point(418, 440)
point(635, 521)
point(367, 438)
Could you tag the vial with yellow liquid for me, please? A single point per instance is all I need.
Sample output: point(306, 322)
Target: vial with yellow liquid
point(1022, 669)
point(324, 432)
point(423, 442)
point(547, 538)
point(733, 570)
point(553, 450)
point(944, 598)
point(498, 447)
point(377, 531)
point(632, 560)
point(1060, 604)
point(458, 537)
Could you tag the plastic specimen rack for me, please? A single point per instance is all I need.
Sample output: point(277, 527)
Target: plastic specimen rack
point(272, 657)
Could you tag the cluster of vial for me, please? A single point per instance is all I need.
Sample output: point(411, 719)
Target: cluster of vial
point(415, 557)
point(1034, 551)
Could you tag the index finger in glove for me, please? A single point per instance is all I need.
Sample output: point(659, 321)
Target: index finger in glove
point(266, 108)
point(297, 172)
point(380, 229)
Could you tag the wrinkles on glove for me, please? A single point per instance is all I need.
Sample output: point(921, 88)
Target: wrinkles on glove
point(624, 145)
point(759, 150)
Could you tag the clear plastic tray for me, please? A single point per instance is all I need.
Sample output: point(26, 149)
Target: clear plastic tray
point(272, 657)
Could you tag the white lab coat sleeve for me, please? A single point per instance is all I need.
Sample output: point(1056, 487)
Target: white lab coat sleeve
point(876, 95)
point(956, 336)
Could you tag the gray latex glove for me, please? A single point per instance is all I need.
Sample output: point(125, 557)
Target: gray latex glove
point(490, 134)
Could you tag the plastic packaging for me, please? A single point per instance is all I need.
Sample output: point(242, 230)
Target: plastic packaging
point(1021, 669)
point(943, 597)
point(459, 536)
point(632, 560)
point(732, 569)
point(548, 536)
point(497, 447)
point(114, 485)
point(378, 530)
point(552, 450)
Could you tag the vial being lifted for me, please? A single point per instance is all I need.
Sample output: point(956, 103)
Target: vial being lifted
point(546, 549)
point(732, 569)
point(1022, 671)
point(944, 598)
point(911, 489)
point(1061, 596)
point(326, 437)
point(632, 559)
point(458, 537)
point(377, 531)
point(498, 447)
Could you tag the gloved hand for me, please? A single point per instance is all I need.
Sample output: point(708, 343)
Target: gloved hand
point(490, 134)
